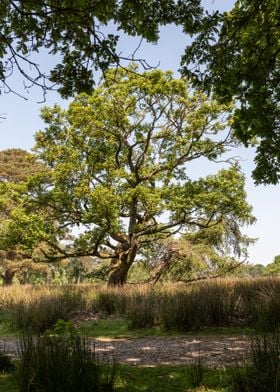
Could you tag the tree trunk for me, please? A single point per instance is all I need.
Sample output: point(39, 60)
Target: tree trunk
point(118, 275)
point(7, 277)
point(121, 263)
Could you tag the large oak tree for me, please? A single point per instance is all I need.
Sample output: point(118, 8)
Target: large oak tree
point(120, 171)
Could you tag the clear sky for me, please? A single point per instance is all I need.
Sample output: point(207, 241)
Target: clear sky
point(22, 121)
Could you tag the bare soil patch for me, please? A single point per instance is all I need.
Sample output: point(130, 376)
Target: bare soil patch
point(215, 351)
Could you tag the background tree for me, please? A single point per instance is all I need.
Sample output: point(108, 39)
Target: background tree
point(276, 259)
point(16, 167)
point(79, 269)
point(272, 268)
point(238, 57)
point(14, 266)
point(77, 33)
point(118, 164)
point(201, 254)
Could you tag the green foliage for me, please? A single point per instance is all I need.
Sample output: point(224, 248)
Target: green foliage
point(276, 259)
point(250, 271)
point(76, 33)
point(118, 161)
point(274, 267)
point(16, 168)
point(63, 327)
point(241, 58)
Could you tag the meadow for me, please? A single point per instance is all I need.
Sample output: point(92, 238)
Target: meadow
point(227, 306)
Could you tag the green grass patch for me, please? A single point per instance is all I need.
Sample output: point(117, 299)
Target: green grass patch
point(7, 330)
point(8, 383)
point(222, 331)
point(113, 327)
point(106, 327)
point(152, 379)
point(168, 379)
point(119, 328)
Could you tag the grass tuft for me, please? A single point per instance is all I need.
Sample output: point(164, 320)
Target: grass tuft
point(61, 363)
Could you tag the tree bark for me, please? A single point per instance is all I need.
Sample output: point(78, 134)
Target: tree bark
point(121, 263)
point(7, 277)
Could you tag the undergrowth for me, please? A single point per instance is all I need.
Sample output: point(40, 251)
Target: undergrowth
point(239, 303)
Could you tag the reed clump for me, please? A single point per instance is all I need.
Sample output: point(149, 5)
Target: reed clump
point(253, 303)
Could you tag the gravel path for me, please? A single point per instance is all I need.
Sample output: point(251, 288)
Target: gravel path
point(215, 351)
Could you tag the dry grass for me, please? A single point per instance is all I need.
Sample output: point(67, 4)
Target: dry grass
point(219, 303)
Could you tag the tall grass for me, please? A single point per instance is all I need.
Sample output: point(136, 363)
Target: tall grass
point(197, 307)
point(243, 303)
point(61, 363)
point(38, 309)
point(261, 373)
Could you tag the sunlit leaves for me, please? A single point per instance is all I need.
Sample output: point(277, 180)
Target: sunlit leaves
point(119, 159)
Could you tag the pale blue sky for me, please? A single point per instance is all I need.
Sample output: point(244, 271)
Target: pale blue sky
point(22, 121)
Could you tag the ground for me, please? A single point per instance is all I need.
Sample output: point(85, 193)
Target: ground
point(215, 351)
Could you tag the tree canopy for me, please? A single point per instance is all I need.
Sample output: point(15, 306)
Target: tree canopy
point(76, 32)
point(238, 57)
point(118, 161)
point(236, 54)
point(16, 167)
